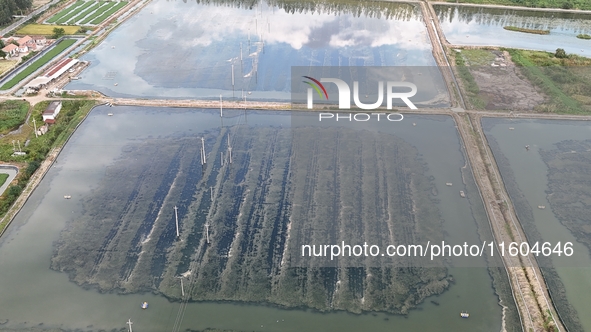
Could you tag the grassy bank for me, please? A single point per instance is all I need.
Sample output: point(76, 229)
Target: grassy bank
point(3, 178)
point(469, 86)
point(45, 58)
point(534, 31)
point(562, 4)
point(583, 36)
point(566, 81)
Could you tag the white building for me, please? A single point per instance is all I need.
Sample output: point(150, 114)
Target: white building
point(52, 111)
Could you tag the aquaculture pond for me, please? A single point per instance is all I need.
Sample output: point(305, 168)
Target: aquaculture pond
point(468, 25)
point(548, 183)
point(88, 262)
point(241, 49)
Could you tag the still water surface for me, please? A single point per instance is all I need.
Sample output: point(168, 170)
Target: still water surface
point(467, 25)
point(32, 294)
point(531, 176)
point(176, 49)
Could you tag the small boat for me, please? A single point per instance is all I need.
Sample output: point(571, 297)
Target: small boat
point(116, 84)
point(110, 114)
point(414, 124)
point(449, 184)
point(527, 147)
point(541, 207)
point(67, 196)
point(464, 314)
point(511, 128)
point(145, 305)
point(462, 194)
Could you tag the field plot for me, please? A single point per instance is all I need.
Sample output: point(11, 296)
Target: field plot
point(87, 12)
point(45, 30)
point(284, 188)
point(108, 12)
point(66, 11)
point(6, 65)
point(45, 58)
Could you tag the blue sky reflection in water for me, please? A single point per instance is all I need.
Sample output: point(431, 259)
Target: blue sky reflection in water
point(180, 50)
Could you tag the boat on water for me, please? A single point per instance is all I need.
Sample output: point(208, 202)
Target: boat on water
point(464, 314)
point(449, 184)
point(145, 305)
point(67, 196)
point(462, 194)
point(541, 207)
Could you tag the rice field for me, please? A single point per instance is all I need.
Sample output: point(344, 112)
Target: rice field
point(87, 12)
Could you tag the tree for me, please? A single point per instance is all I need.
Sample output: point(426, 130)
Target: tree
point(58, 32)
point(2, 44)
point(3, 54)
point(560, 53)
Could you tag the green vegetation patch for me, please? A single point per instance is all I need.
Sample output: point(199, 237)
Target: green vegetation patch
point(469, 85)
point(3, 178)
point(562, 77)
point(75, 12)
point(80, 15)
point(108, 13)
point(98, 12)
point(12, 114)
point(65, 11)
point(534, 31)
point(584, 36)
point(45, 58)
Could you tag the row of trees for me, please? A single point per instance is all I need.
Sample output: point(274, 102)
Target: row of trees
point(8, 8)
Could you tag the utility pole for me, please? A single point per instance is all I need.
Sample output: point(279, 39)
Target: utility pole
point(182, 288)
point(229, 150)
point(129, 322)
point(35, 126)
point(176, 216)
point(203, 161)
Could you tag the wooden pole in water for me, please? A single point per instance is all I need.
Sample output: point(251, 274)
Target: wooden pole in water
point(176, 216)
point(203, 150)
